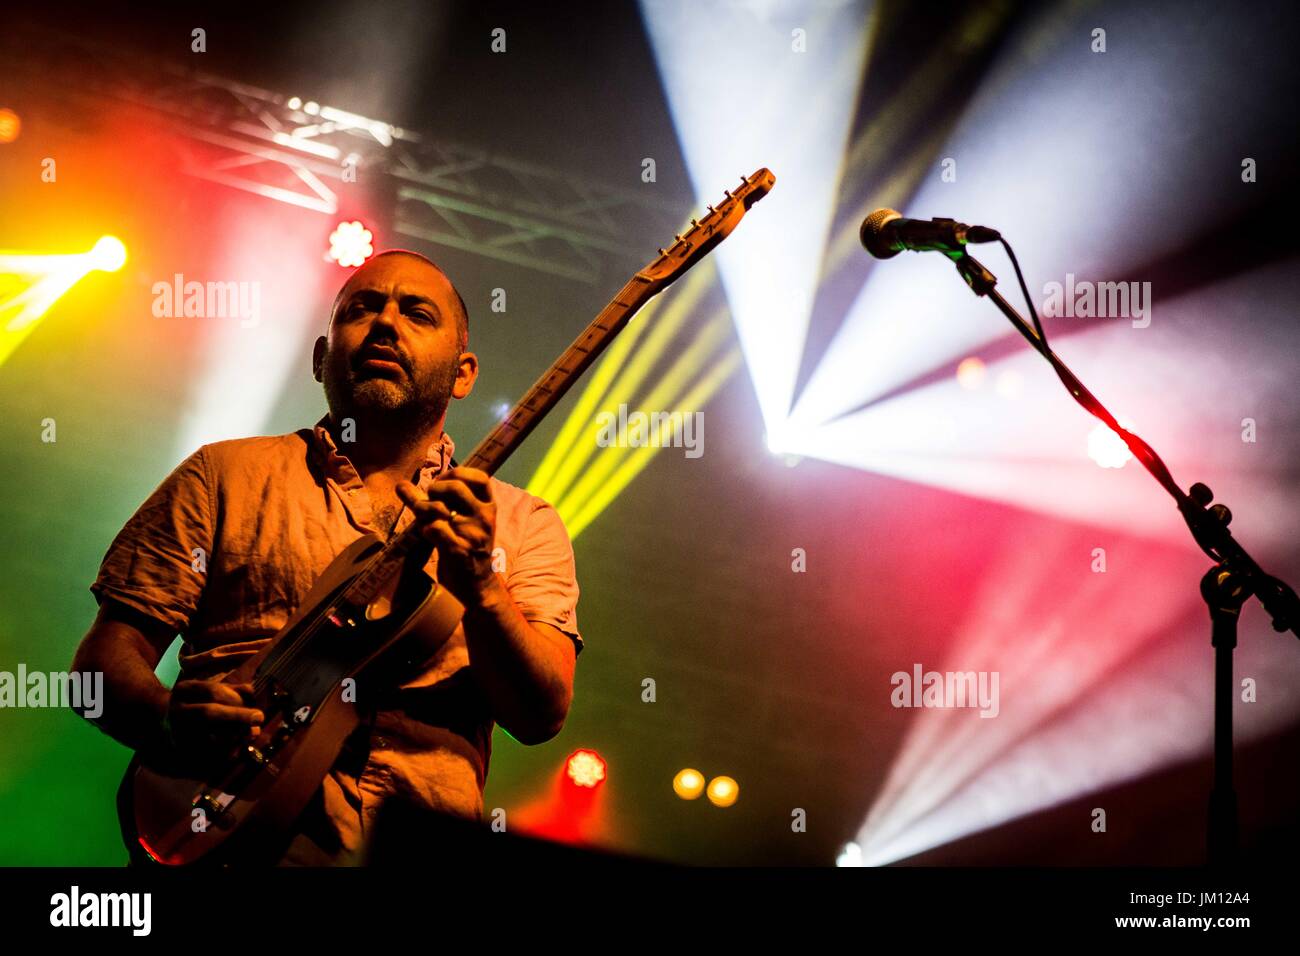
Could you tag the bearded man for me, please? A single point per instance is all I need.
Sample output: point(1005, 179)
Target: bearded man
point(267, 515)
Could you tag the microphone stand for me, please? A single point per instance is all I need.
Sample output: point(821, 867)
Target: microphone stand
point(1225, 587)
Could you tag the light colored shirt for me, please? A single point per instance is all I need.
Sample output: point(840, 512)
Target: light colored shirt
point(266, 515)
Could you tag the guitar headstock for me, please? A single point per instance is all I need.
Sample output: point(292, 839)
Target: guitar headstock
point(691, 246)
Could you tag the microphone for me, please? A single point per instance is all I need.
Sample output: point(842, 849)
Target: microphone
point(885, 233)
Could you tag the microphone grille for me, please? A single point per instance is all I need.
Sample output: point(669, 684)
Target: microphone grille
point(870, 235)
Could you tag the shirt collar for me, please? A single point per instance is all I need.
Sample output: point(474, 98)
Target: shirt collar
point(437, 457)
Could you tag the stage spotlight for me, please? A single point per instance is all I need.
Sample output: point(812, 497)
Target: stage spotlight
point(851, 855)
point(688, 784)
point(10, 125)
point(1009, 384)
point(1106, 448)
point(1029, 111)
point(40, 279)
point(350, 244)
point(770, 269)
point(586, 768)
point(108, 255)
point(723, 791)
point(971, 372)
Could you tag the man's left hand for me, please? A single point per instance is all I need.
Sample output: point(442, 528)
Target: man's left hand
point(458, 517)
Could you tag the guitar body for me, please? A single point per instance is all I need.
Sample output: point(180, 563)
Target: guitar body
point(243, 809)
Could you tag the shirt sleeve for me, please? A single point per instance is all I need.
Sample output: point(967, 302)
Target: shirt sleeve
point(157, 563)
point(543, 582)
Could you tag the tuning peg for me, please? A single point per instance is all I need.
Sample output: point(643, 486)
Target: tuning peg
point(727, 192)
point(711, 209)
point(1201, 494)
point(694, 223)
point(662, 253)
point(677, 236)
point(743, 180)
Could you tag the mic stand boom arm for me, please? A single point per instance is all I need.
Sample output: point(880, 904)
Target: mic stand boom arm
point(1233, 579)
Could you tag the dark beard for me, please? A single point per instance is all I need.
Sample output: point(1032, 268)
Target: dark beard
point(403, 408)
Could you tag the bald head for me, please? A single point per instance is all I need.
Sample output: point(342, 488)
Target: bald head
point(419, 264)
point(395, 352)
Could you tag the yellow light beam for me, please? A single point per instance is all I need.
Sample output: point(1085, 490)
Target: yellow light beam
point(55, 275)
point(665, 393)
point(108, 255)
point(633, 464)
point(590, 396)
point(923, 91)
point(568, 455)
point(846, 244)
point(925, 87)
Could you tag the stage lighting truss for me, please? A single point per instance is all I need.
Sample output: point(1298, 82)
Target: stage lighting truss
point(295, 150)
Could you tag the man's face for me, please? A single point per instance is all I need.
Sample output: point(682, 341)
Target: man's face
point(393, 347)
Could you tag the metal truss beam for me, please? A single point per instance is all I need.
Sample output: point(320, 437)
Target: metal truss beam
point(295, 151)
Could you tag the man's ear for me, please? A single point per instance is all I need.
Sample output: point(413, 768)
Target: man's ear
point(466, 374)
point(318, 358)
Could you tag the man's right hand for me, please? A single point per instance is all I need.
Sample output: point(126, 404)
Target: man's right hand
point(210, 717)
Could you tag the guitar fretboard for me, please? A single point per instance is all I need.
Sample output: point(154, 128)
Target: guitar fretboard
point(547, 391)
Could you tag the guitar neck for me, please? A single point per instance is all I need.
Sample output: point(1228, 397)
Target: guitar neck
point(409, 546)
point(547, 391)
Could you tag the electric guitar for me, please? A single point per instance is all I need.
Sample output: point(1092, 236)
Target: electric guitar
point(374, 614)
